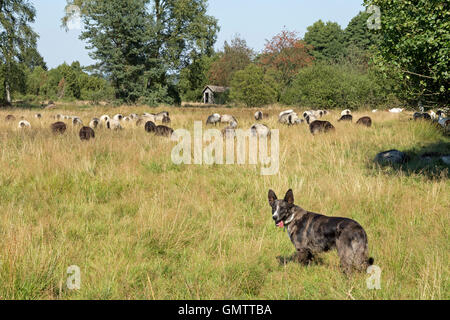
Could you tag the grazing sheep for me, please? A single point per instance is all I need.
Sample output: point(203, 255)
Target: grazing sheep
point(347, 117)
point(310, 119)
point(421, 116)
point(59, 127)
point(10, 117)
point(133, 116)
point(141, 121)
point(149, 117)
point(150, 126)
point(365, 121)
point(87, 133)
point(315, 113)
point(163, 131)
point(260, 130)
point(104, 118)
point(396, 110)
point(94, 123)
point(118, 117)
point(160, 116)
point(289, 117)
point(213, 119)
point(77, 121)
point(346, 112)
point(166, 119)
point(127, 119)
point(24, 125)
point(226, 118)
point(113, 125)
point(258, 116)
point(374, 110)
point(320, 126)
point(58, 116)
point(38, 116)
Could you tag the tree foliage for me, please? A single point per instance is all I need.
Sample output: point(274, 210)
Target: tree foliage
point(327, 40)
point(234, 57)
point(17, 38)
point(141, 44)
point(284, 55)
point(252, 87)
point(415, 47)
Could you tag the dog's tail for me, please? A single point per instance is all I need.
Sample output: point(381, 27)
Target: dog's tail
point(370, 261)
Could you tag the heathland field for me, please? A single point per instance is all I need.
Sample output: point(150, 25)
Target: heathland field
point(140, 227)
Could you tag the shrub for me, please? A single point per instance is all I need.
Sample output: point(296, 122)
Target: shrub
point(332, 86)
point(251, 87)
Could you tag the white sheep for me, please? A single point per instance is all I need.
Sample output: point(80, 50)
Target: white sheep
point(213, 119)
point(226, 118)
point(118, 117)
point(24, 125)
point(260, 130)
point(113, 125)
point(346, 112)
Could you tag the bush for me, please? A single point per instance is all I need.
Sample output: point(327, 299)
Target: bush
point(332, 86)
point(251, 87)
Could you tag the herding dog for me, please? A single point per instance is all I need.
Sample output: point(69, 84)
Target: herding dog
point(313, 233)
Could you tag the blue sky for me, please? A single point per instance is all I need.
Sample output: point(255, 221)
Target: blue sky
point(253, 20)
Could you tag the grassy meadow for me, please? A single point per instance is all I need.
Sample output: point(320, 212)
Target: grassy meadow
point(140, 227)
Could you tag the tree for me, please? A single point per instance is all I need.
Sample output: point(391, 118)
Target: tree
point(358, 35)
point(16, 36)
point(146, 41)
point(327, 40)
point(415, 47)
point(194, 78)
point(235, 57)
point(284, 55)
point(118, 33)
point(251, 87)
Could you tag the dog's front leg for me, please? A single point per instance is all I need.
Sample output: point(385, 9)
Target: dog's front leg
point(303, 256)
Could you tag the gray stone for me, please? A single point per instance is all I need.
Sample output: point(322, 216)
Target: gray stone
point(391, 157)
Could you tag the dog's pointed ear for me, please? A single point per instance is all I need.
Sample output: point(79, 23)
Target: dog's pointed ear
point(272, 197)
point(289, 197)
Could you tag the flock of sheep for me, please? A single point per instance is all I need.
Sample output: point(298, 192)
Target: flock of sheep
point(117, 122)
point(149, 120)
point(289, 117)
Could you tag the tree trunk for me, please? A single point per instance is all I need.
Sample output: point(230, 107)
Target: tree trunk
point(8, 94)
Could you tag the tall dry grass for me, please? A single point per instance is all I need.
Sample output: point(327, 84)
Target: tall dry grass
point(140, 227)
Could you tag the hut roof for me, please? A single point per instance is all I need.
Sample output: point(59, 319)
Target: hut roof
point(216, 88)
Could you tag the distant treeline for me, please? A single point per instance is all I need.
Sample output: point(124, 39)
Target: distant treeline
point(164, 55)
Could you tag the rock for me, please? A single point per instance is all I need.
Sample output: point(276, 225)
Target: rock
point(391, 157)
point(446, 160)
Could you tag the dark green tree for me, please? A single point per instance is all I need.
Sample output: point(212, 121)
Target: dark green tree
point(16, 37)
point(142, 44)
point(358, 35)
point(415, 47)
point(327, 40)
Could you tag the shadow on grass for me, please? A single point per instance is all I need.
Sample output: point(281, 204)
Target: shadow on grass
point(426, 160)
point(282, 261)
